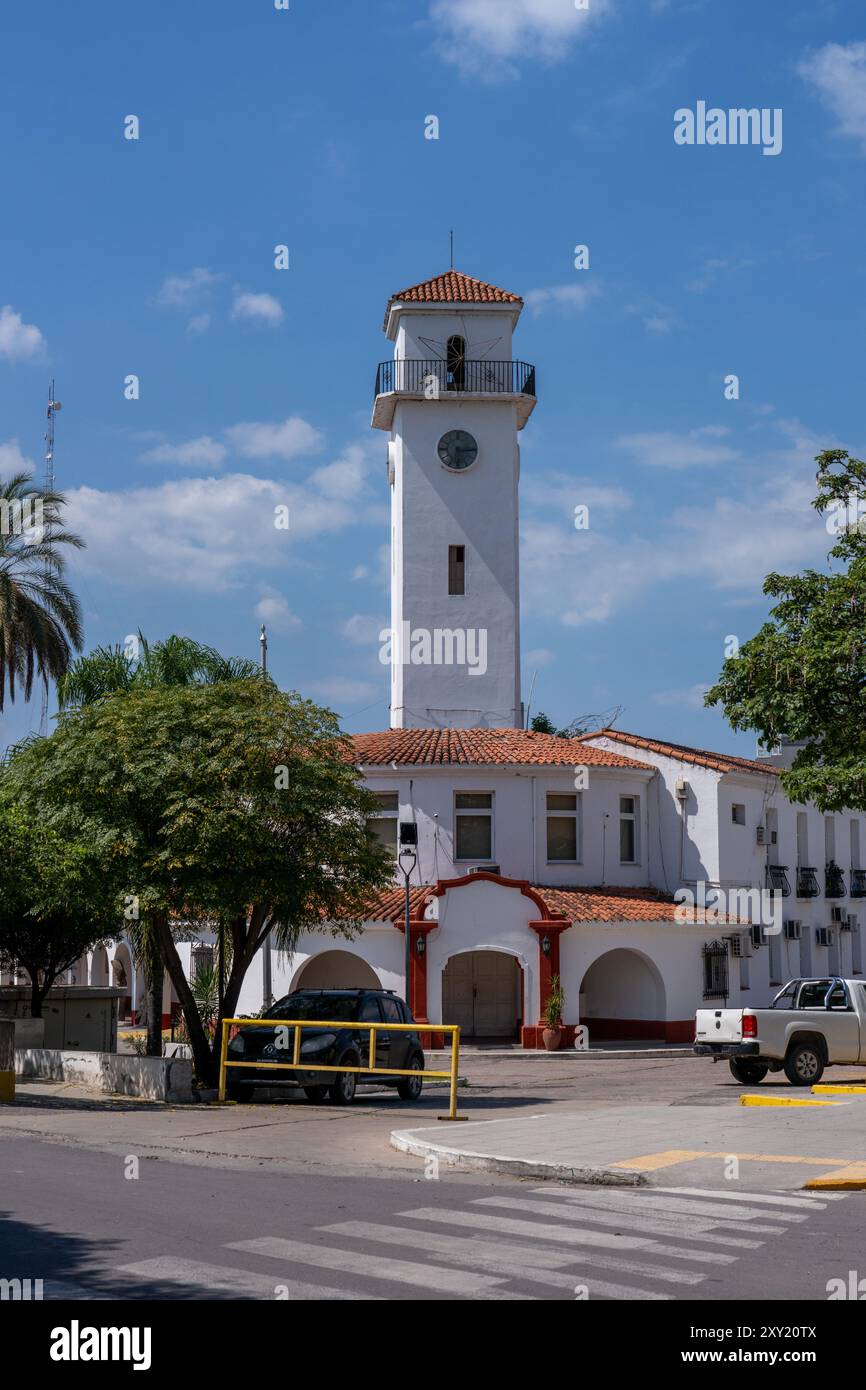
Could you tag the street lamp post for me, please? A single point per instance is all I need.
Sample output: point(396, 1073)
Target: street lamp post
point(407, 859)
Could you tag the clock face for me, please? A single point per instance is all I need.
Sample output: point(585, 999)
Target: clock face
point(457, 450)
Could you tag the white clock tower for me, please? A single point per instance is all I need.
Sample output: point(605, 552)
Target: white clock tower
point(453, 401)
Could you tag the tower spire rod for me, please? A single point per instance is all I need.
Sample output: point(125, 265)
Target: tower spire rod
point(451, 235)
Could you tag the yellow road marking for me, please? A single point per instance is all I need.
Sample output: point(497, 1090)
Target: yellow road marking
point(840, 1090)
point(852, 1178)
point(782, 1100)
point(648, 1163)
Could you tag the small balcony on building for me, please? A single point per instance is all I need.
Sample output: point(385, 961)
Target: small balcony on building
point(434, 379)
point(777, 879)
point(807, 883)
point(834, 881)
point(858, 883)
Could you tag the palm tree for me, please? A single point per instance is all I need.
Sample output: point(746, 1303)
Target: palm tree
point(40, 617)
point(176, 661)
point(108, 671)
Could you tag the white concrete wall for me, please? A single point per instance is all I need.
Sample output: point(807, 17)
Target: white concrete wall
point(520, 821)
point(434, 507)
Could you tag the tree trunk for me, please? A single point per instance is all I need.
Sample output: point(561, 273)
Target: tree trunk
point(37, 993)
point(153, 991)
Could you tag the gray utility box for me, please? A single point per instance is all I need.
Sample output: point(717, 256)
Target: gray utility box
point(78, 1016)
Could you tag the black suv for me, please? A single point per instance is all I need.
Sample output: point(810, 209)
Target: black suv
point(329, 1046)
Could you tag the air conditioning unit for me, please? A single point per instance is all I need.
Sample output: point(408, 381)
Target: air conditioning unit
point(823, 936)
point(736, 944)
point(758, 935)
point(485, 869)
point(760, 835)
point(793, 931)
point(836, 914)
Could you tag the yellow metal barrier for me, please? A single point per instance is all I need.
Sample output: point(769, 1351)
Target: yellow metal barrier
point(372, 1028)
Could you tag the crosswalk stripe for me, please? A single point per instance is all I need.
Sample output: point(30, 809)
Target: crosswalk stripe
point(683, 1228)
point(427, 1276)
point(166, 1269)
point(602, 1197)
point(500, 1256)
point(561, 1235)
point(769, 1199)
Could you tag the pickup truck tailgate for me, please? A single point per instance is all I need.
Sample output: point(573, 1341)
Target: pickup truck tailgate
point(719, 1025)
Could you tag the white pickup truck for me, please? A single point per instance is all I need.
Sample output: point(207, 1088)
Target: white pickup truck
point(810, 1025)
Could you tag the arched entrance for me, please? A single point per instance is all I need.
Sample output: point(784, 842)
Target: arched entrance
point(482, 992)
point(623, 996)
point(122, 973)
point(337, 970)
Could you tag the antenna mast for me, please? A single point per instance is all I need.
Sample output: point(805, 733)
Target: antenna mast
point(52, 408)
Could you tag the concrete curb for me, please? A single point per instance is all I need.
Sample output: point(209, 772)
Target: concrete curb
point(407, 1141)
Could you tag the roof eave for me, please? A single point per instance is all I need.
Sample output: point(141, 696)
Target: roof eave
point(441, 306)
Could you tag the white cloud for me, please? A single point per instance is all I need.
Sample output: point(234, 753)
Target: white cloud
point(575, 297)
point(564, 492)
point(539, 656)
point(285, 439)
point(360, 572)
point(837, 72)
point(693, 698)
point(344, 477)
point(259, 308)
point(208, 534)
point(18, 340)
point(179, 291)
point(12, 460)
point(203, 451)
point(273, 609)
point(199, 323)
point(727, 546)
point(697, 448)
point(363, 631)
point(487, 36)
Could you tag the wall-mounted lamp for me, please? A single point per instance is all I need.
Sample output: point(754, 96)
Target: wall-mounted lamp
point(545, 945)
point(421, 945)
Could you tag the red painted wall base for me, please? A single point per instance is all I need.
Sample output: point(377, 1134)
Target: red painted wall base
point(643, 1029)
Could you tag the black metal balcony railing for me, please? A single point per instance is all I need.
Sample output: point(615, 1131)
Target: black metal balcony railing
point(777, 874)
point(807, 883)
point(432, 377)
point(858, 883)
point(834, 881)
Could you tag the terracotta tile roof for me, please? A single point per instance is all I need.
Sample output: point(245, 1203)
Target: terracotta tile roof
point(430, 747)
point(572, 904)
point(452, 287)
point(700, 757)
point(389, 905)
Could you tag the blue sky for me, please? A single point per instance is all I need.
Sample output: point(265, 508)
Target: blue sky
point(261, 127)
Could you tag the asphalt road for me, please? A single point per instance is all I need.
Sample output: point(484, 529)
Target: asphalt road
point(74, 1218)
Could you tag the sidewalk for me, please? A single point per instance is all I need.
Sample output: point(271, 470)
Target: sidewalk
point(685, 1143)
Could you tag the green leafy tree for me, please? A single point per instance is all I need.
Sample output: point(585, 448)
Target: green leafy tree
point(802, 677)
point(40, 617)
point(55, 900)
point(231, 800)
point(140, 665)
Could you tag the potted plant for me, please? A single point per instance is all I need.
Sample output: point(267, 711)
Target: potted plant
point(551, 1034)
